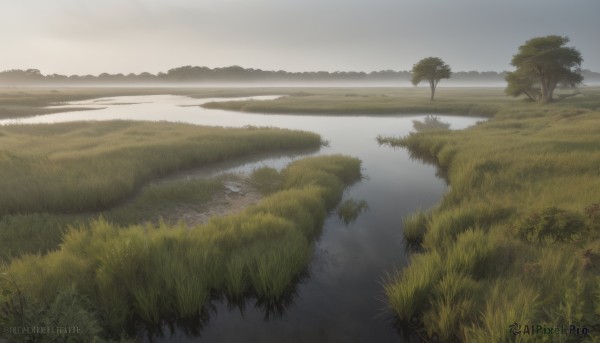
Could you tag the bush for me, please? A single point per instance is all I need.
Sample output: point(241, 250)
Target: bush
point(550, 225)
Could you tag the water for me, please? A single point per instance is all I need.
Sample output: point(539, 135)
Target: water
point(342, 299)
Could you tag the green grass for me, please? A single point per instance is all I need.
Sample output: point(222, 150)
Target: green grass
point(463, 101)
point(518, 227)
point(415, 227)
point(265, 179)
point(148, 274)
point(42, 232)
point(84, 166)
point(54, 176)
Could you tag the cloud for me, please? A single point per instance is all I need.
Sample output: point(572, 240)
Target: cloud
point(136, 35)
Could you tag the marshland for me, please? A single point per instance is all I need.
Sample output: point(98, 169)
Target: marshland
point(90, 215)
point(300, 171)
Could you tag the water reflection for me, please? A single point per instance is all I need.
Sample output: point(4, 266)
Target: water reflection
point(430, 122)
point(192, 327)
point(343, 298)
point(350, 209)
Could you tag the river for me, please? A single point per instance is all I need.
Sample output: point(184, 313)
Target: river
point(342, 299)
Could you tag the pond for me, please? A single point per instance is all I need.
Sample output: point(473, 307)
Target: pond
point(341, 299)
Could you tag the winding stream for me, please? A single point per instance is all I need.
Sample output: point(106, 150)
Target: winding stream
point(342, 299)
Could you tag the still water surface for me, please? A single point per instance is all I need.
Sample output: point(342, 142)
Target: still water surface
point(342, 299)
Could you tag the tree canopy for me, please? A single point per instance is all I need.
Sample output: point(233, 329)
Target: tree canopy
point(543, 63)
point(431, 69)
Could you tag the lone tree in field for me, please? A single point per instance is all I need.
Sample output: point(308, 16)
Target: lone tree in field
point(542, 63)
point(432, 69)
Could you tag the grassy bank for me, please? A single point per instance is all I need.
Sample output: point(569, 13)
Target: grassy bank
point(360, 101)
point(18, 102)
point(29, 101)
point(517, 236)
point(115, 276)
point(54, 175)
point(83, 166)
point(31, 233)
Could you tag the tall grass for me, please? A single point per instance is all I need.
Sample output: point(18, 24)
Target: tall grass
point(74, 167)
point(373, 101)
point(53, 176)
point(415, 227)
point(265, 179)
point(42, 232)
point(517, 229)
point(152, 274)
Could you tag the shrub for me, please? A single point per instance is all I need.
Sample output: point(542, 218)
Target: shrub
point(550, 225)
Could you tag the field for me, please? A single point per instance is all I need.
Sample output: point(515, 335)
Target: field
point(113, 278)
point(364, 101)
point(51, 175)
point(516, 239)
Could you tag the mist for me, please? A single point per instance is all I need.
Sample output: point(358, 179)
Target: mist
point(88, 37)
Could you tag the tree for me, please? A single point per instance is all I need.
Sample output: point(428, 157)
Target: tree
point(432, 69)
point(520, 82)
point(543, 63)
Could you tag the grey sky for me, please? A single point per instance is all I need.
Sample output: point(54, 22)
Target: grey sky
point(92, 36)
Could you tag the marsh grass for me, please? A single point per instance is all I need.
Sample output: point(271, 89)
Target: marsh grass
point(265, 179)
point(61, 175)
point(374, 101)
point(408, 291)
point(414, 227)
point(83, 166)
point(149, 274)
point(518, 227)
point(42, 232)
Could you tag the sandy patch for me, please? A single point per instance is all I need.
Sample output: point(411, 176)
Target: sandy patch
point(238, 195)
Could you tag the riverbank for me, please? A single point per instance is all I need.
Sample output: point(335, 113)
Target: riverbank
point(109, 280)
point(28, 101)
point(526, 130)
point(460, 101)
point(53, 175)
point(516, 239)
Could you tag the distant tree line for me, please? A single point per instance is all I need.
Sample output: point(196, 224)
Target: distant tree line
point(232, 74)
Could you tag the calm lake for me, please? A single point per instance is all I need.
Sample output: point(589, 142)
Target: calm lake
point(342, 299)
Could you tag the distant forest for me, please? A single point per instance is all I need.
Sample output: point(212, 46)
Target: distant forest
point(236, 74)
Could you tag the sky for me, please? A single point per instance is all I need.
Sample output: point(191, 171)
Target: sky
point(133, 36)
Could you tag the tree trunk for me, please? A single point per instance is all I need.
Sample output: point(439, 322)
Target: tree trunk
point(432, 85)
point(548, 86)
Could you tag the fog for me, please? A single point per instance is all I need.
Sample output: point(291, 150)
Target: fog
point(134, 36)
